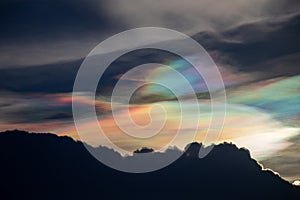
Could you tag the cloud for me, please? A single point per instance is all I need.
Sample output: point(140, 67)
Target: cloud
point(40, 78)
point(271, 45)
point(193, 16)
point(290, 158)
point(39, 33)
point(246, 126)
point(34, 108)
point(43, 43)
point(279, 97)
point(264, 46)
point(53, 18)
point(297, 183)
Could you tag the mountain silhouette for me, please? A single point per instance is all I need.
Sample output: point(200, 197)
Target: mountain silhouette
point(46, 166)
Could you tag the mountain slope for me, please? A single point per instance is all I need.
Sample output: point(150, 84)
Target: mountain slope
point(45, 166)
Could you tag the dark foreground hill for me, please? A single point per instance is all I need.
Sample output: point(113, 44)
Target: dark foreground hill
point(45, 166)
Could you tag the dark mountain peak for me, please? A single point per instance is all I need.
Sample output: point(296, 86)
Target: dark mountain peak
point(144, 150)
point(53, 167)
point(192, 150)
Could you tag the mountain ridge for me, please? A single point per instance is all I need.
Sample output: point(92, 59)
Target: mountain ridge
point(56, 167)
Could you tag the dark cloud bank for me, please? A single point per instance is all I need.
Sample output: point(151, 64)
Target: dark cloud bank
point(45, 166)
point(269, 48)
point(51, 19)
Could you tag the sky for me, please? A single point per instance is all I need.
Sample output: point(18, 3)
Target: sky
point(255, 45)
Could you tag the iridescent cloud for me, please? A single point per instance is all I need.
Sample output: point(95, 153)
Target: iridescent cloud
point(280, 96)
point(262, 116)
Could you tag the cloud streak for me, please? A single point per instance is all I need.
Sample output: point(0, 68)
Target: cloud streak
point(193, 16)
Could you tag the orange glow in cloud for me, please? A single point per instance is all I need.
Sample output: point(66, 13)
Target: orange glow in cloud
point(245, 126)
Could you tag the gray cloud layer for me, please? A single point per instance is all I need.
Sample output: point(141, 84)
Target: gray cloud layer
point(42, 32)
point(193, 16)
